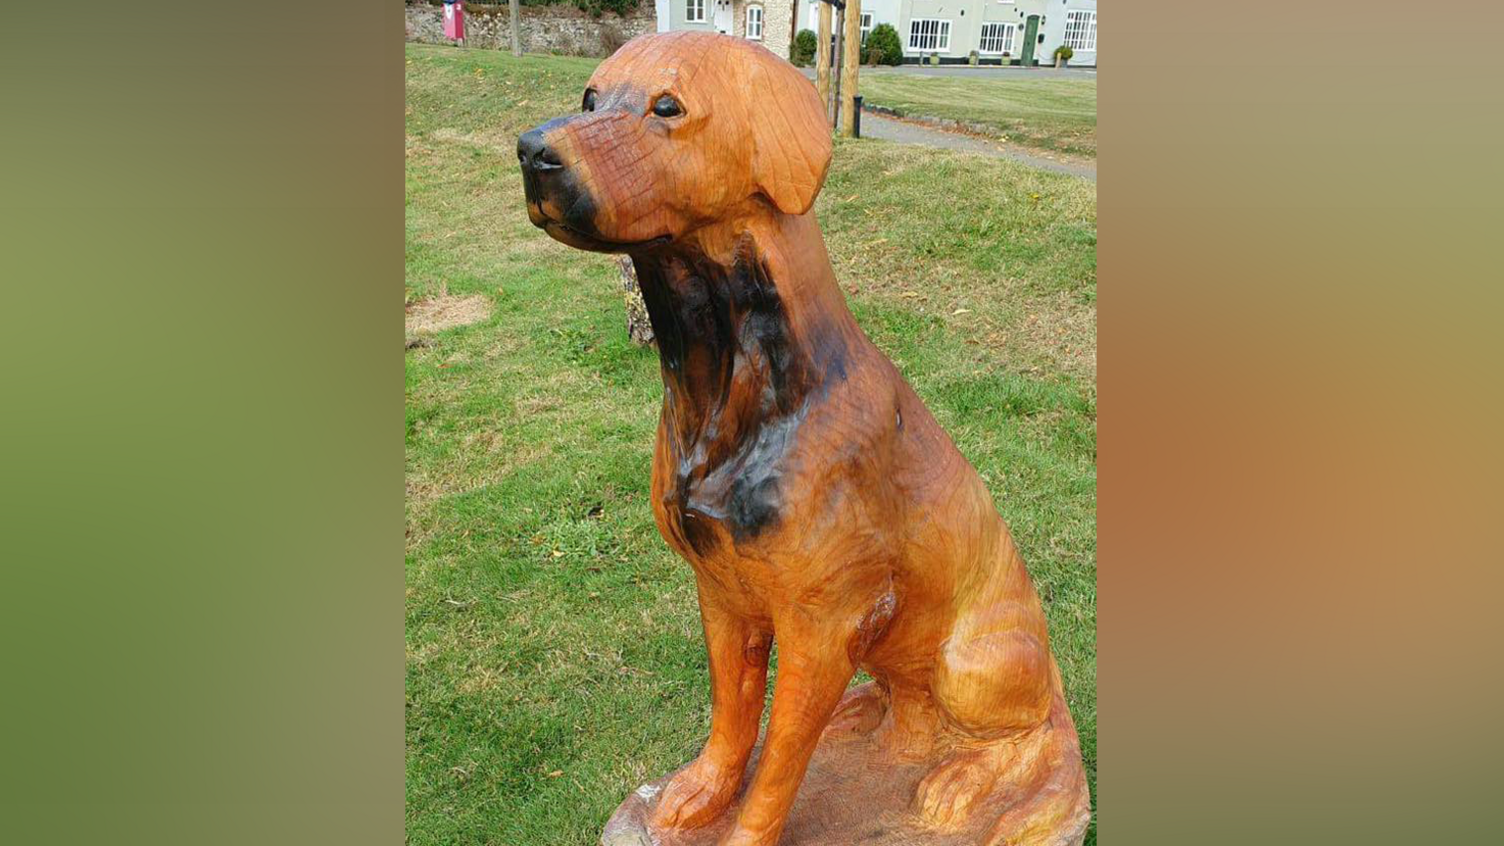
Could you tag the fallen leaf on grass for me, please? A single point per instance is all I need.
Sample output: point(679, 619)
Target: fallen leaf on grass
point(961, 311)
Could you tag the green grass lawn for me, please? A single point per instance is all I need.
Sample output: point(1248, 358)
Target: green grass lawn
point(554, 654)
point(1048, 114)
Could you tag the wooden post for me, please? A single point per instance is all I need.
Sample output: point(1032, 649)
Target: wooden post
point(822, 58)
point(851, 57)
point(516, 38)
point(835, 64)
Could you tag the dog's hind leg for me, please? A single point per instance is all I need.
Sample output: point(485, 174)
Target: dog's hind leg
point(1053, 809)
point(997, 686)
point(994, 690)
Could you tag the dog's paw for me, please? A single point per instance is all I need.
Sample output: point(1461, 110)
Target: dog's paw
point(949, 794)
point(694, 797)
point(858, 713)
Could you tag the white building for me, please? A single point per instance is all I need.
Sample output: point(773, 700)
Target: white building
point(768, 22)
point(998, 30)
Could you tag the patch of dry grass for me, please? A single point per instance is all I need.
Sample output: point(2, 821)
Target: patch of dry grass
point(435, 314)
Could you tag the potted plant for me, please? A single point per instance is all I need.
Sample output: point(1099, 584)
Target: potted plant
point(1063, 56)
point(935, 59)
point(972, 58)
point(1007, 59)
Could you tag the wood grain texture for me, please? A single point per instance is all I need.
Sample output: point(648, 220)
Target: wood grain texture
point(853, 792)
point(817, 499)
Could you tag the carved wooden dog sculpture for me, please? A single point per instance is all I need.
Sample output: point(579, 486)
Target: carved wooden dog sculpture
point(813, 493)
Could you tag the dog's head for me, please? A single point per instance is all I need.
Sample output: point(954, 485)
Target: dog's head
point(676, 130)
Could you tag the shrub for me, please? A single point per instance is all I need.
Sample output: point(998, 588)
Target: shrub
point(804, 48)
point(885, 38)
point(1064, 52)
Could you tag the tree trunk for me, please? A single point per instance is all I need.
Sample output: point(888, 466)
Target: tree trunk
point(516, 39)
point(638, 327)
point(822, 58)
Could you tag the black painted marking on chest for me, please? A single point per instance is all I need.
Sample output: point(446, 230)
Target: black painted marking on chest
point(737, 387)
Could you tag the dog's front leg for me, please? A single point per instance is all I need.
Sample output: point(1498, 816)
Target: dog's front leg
point(814, 668)
point(738, 683)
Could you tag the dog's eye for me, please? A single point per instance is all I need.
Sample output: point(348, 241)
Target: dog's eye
point(589, 103)
point(667, 107)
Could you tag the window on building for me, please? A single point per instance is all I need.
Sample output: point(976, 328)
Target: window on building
point(929, 35)
point(1081, 30)
point(997, 38)
point(754, 23)
point(866, 25)
point(694, 11)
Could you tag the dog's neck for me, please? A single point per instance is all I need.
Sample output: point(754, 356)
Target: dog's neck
point(750, 324)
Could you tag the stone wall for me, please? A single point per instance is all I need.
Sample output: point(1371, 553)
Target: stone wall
point(558, 28)
point(775, 23)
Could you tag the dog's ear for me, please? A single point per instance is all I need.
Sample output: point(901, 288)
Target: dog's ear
point(790, 136)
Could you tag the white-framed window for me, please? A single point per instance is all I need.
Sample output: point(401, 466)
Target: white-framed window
point(997, 38)
point(754, 23)
point(866, 26)
point(694, 11)
point(929, 35)
point(1081, 30)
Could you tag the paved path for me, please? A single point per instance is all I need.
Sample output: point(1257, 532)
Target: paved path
point(888, 129)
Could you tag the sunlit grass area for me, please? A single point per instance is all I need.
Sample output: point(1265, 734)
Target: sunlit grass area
point(1046, 113)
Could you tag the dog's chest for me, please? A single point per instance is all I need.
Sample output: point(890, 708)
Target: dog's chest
point(712, 500)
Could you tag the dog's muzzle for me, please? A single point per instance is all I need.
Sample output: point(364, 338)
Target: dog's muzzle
point(534, 153)
point(556, 201)
point(540, 165)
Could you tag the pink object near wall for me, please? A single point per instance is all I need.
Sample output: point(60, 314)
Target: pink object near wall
point(454, 20)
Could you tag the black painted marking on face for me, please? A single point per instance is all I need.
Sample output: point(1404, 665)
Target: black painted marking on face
point(561, 186)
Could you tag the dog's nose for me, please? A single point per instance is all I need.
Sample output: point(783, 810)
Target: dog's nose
point(535, 154)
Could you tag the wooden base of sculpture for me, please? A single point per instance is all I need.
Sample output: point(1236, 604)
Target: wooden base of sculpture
point(856, 793)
